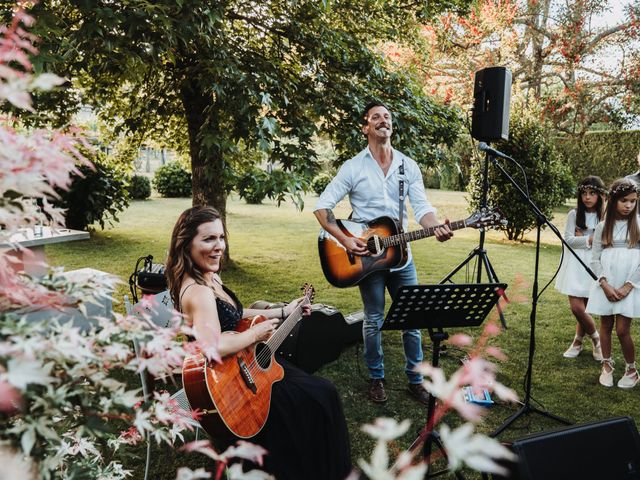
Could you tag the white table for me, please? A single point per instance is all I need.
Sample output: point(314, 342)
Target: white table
point(34, 263)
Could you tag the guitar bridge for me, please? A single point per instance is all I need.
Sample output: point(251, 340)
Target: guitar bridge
point(246, 376)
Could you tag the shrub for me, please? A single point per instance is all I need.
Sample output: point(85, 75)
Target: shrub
point(430, 178)
point(320, 182)
point(548, 176)
point(455, 163)
point(609, 155)
point(172, 180)
point(95, 197)
point(446, 176)
point(139, 187)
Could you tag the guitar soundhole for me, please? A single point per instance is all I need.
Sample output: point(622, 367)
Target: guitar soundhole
point(371, 245)
point(263, 355)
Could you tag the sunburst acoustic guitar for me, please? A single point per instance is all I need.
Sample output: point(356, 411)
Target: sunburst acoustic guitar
point(235, 395)
point(386, 244)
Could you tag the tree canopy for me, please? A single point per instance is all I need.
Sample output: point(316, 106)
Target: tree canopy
point(563, 56)
point(267, 75)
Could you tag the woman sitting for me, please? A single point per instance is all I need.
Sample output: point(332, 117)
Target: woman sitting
point(305, 433)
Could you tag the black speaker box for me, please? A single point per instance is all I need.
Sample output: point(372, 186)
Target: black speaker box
point(607, 449)
point(319, 338)
point(151, 282)
point(491, 104)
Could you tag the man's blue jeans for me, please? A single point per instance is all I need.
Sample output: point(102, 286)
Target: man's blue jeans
point(373, 298)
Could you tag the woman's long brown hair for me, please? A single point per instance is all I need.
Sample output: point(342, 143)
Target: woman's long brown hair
point(620, 189)
point(179, 261)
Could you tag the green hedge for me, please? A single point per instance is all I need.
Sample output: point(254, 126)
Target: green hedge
point(172, 180)
point(320, 182)
point(609, 155)
point(139, 187)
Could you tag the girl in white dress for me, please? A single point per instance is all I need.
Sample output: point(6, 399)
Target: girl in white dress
point(616, 261)
point(573, 280)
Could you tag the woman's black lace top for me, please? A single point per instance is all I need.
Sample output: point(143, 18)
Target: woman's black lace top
point(228, 314)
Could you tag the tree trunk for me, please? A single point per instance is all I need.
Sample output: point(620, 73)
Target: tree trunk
point(207, 162)
point(540, 15)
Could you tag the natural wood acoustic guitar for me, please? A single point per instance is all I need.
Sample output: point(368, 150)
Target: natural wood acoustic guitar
point(386, 243)
point(235, 395)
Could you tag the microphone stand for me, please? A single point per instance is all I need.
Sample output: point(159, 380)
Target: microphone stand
point(541, 219)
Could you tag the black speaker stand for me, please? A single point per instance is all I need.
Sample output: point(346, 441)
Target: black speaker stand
point(480, 253)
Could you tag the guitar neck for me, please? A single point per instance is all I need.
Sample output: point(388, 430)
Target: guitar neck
point(419, 234)
point(284, 329)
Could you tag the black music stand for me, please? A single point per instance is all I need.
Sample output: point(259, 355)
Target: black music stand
point(434, 307)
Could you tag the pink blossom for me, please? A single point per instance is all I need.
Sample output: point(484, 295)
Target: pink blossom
point(131, 436)
point(496, 353)
point(168, 412)
point(202, 446)
point(461, 340)
point(9, 398)
point(185, 473)
point(504, 393)
point(492, 329)
point(450, 392)
point(477, 451)
point(386, 428)
point(246, 451)
point(478, 372)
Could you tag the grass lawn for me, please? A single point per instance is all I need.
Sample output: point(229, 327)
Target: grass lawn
point(275, 251)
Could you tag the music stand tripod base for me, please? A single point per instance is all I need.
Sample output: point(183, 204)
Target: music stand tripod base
point(434, 307)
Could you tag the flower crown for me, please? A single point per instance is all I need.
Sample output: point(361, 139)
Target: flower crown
point(595, 188)
point(624, 189)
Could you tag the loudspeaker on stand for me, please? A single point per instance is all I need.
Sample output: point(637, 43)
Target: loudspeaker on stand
point(491, 104)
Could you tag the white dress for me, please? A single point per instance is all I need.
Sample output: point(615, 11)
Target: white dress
point(618, 264)
point(572, 278)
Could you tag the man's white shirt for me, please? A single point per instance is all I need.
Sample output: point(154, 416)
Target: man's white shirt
point(372, 194)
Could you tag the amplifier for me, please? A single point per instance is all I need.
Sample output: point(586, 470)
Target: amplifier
point(152, 280)
point(561, 453)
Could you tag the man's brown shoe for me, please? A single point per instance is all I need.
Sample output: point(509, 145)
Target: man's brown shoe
point(419, 393)
point(376, 391)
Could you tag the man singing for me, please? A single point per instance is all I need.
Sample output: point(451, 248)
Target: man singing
point(372, 181)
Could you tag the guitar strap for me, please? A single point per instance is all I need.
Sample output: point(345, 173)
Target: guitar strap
point(401, 194)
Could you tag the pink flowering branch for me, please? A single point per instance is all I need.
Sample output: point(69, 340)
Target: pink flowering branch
point(242, 450)
point(477, 372)
point(56, 371)
point(32, 163)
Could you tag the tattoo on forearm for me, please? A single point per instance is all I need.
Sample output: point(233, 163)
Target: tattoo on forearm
point(330, 216)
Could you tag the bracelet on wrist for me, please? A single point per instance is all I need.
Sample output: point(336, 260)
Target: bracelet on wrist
point(282, 312)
